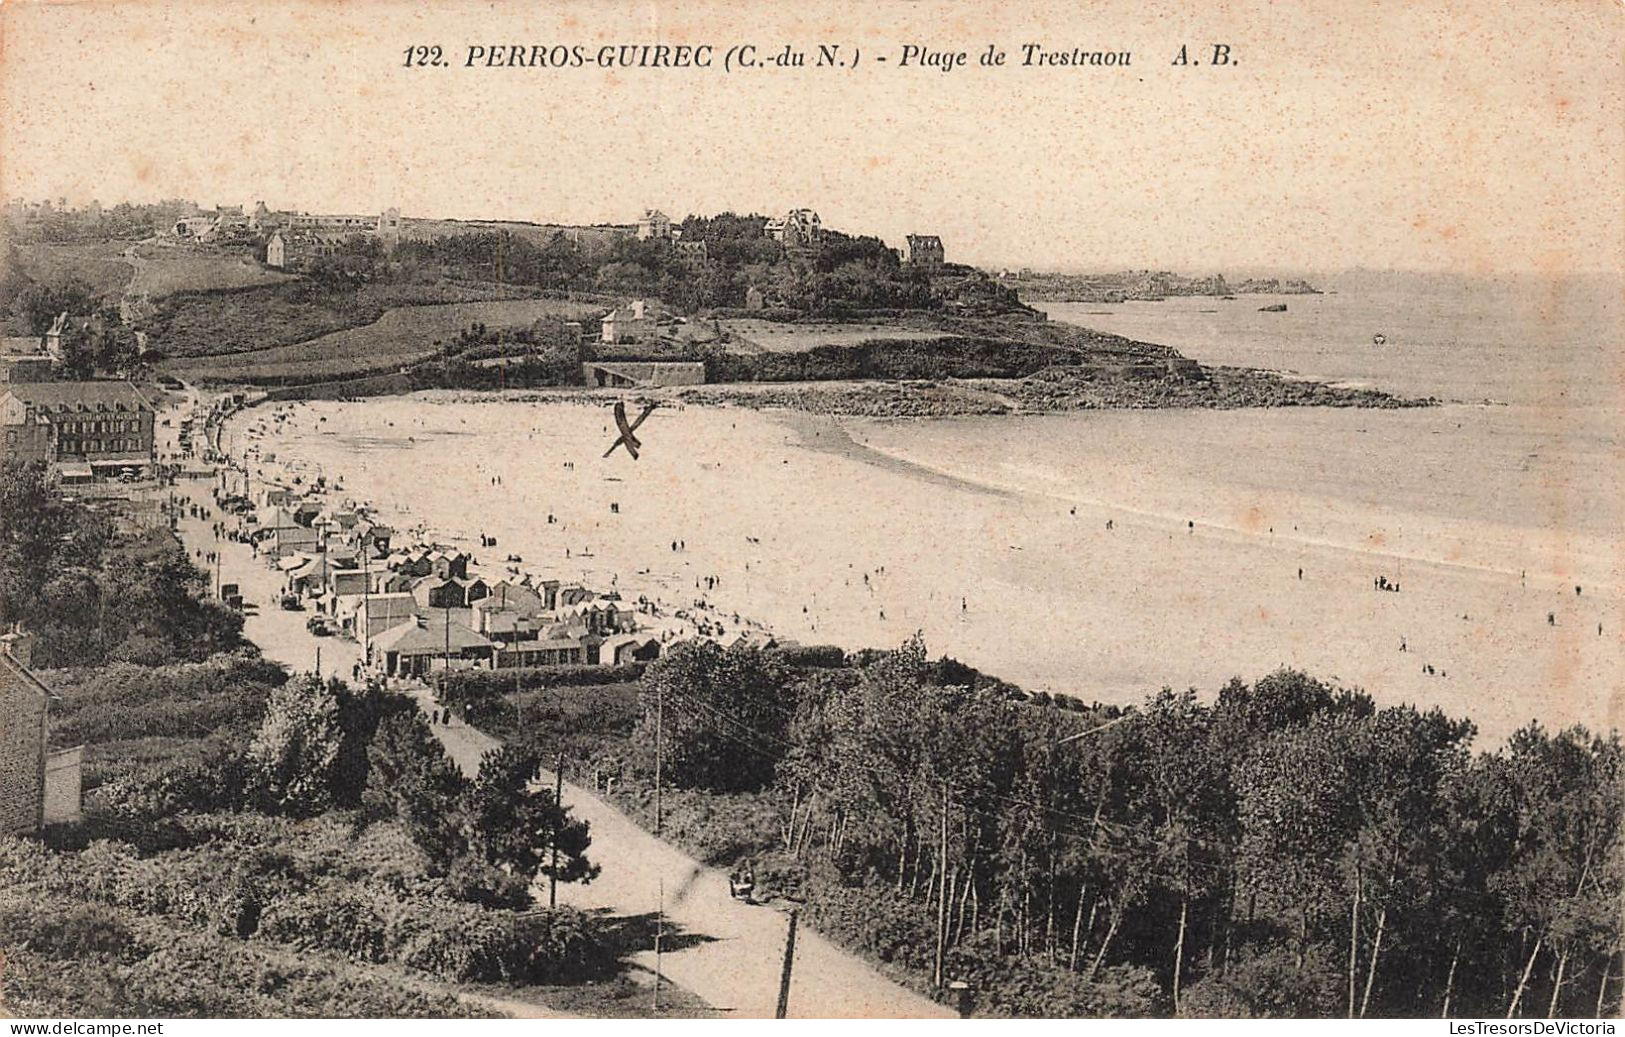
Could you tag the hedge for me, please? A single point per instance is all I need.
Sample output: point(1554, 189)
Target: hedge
point(464, 687)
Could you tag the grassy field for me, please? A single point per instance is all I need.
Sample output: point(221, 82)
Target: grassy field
point(99, 264)
point(196, 324)
point(168, 269)
point(764, 336)
point(400, 336)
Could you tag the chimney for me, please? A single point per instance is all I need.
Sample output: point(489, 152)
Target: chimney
point(637, 309)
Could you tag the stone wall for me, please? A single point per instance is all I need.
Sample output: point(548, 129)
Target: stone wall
point(22, 749)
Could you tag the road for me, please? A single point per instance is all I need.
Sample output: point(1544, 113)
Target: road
point(725, 952)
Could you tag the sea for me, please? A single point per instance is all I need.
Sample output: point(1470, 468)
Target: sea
point(1466, 556)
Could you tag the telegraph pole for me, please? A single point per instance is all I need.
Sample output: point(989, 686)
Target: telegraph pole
point(366, 604)
point(942, 891)
point(789, 960)
point(558, 804)
point(660, 745)
point(660, 925)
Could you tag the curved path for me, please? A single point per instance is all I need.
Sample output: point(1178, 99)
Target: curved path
point(726, 952)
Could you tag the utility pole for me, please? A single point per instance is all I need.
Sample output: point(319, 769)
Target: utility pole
point(558, 805)
point(942, 891)
point(318, 662)
point(660, 746)
point(366, 607)
point(789, 960)
point(660, 925)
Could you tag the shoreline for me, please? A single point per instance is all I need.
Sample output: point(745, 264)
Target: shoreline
point(991, 539)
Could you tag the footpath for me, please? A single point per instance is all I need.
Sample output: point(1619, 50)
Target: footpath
point(726, 952)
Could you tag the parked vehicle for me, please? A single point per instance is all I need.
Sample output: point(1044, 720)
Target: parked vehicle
point(291, 603)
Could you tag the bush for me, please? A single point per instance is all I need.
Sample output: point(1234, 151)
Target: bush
point(1271, 985)
point(64, 929)
point(810, 657)
point(462, 943)
point(579, 721)
point(1034, 989)
point(124, 701)
point(877, 923)
point(334, 916)
point(475, 882)
point(466, 687)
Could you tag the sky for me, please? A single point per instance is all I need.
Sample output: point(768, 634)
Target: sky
point(1475, 137)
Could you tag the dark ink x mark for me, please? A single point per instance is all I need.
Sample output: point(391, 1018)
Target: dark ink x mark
point(627, 437)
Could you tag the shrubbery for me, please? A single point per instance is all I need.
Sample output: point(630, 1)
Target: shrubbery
point(73, 931)
point(467, 943)
point(1030, 988)
point(579, 720)
point(465, 687)
point(66, 958)
point(292, 891)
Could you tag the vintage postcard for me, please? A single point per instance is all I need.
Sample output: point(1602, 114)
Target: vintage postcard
point(880, 510)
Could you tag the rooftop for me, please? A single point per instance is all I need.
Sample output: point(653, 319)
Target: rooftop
point(429, 634)
point(103, 394)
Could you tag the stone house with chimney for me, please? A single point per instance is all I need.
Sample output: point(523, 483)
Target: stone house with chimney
point(923, 252)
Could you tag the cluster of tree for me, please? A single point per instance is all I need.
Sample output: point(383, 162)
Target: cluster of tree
point(500, 256)
point(492, 836)
point(842, 274)
point(1289, 849)
point(308, 746)
point(55, 222)
point(357, 260)
point(546, 353)
point(93, 592)
point(882, 358)
point(93, 338)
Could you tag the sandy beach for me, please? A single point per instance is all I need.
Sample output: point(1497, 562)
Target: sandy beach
point(995, 541)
